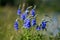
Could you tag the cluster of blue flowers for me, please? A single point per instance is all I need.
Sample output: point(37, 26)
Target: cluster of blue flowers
point(29, 22)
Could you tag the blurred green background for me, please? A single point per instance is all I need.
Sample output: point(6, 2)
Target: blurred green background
point(8, 10)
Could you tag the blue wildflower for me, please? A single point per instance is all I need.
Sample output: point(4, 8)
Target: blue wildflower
point(43, 24)
point(33, 12)
point(27, 23)
point(23, 16)
point(18, 12)
point(33, 22)
point(38, 28)
point(26, 12)
point(16, 25)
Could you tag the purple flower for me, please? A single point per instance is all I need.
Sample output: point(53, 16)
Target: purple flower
point(33, 12)
point(33, 22)
point(23, 16)
point(27, 23)
point(16, 25)
point(43, 24)
point(18, 12)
